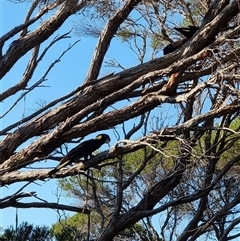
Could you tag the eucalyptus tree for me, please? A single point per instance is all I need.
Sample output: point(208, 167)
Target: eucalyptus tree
point(174, 118)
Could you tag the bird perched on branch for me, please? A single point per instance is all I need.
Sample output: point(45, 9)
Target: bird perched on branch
point(188, 32)
point(171, 87)
point(83, 150)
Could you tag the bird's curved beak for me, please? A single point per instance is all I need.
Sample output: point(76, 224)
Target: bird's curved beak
point(108, 142)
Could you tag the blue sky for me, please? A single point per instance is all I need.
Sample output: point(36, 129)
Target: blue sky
point(66, 76)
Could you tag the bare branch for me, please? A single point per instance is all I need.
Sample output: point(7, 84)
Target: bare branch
point(106, 37)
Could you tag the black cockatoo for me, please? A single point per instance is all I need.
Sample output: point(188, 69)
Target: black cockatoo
point(83, 150)
point(187, 32)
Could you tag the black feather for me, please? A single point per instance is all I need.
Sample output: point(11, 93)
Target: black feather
point(172, 47)
point(187, 32)
point(83, 150)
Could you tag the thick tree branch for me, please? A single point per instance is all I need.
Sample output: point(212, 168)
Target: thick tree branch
point(22, 45)
point(106, 37)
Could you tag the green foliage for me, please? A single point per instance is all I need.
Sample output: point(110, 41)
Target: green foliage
point(157, 42)
point(232, 143)
point(75, 228)
point(26, 232)
point(72, 228)
point(125, 34)
point(223, 142)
